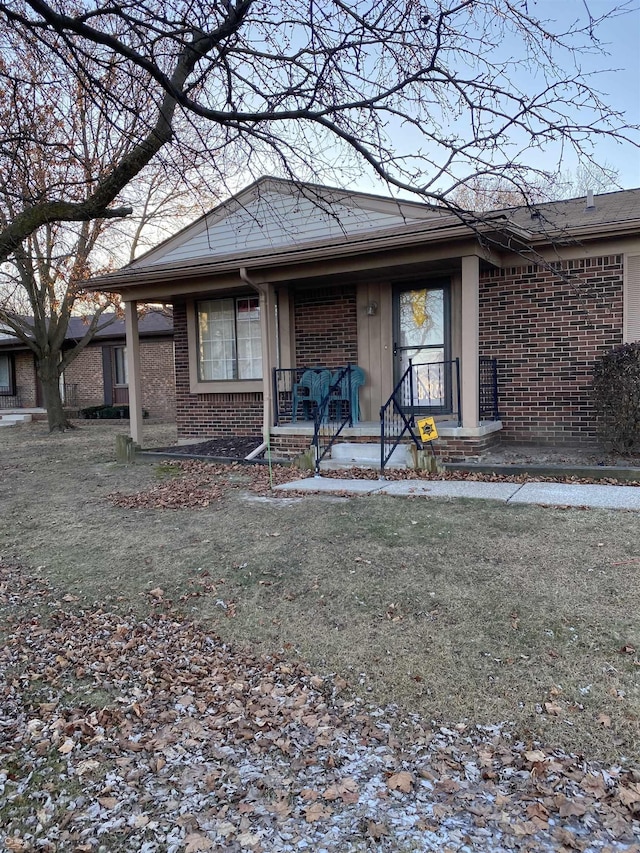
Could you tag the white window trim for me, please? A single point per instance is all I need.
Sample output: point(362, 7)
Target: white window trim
point(217, 386)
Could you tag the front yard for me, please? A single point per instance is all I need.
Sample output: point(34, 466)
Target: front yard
point(464, 613)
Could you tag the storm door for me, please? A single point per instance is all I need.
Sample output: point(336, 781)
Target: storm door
point(422, 339)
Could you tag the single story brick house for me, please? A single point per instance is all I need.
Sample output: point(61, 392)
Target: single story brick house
point(98, 375)
point(490, 323)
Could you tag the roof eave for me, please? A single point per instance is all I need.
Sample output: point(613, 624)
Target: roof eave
point(407, 237)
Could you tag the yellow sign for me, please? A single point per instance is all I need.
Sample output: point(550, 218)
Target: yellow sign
point(427, 429)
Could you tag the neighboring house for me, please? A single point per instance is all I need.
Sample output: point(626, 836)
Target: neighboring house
point(499, 317)
point(98, 375)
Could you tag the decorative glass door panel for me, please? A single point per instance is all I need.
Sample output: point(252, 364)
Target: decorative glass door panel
point(422, 340)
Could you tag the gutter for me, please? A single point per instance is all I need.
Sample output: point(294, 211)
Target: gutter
point(419, 234)
point(267, 404)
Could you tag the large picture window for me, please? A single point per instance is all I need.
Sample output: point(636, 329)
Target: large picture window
point(229, 339)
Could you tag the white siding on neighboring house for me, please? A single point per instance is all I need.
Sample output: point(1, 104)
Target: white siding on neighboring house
point(631, 323)
point(276, 220)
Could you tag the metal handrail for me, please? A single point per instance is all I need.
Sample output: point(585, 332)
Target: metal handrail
point(488, 391)
point(325, 429)
point(393, 421)
point(284, 379)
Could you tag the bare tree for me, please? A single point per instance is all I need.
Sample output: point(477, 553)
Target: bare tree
point(486, 193)
point(57, 138)
point(426, 95)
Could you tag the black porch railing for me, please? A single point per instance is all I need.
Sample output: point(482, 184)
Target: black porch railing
point(395, 420)
point(488, 369)
point(335, 411)
point(70, 394)
point(432, 389)
point(10, 401)
point(299, 391)
point(425, 389)
point(292, 400)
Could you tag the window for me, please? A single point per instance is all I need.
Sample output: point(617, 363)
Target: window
point(6, 374)
point(229, 339)
point(120, 366)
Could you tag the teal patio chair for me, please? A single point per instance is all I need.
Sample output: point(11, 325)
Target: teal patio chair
point(309, 392)
point(347, 391)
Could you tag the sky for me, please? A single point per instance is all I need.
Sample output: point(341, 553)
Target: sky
point(621, 36)
point(616, 76)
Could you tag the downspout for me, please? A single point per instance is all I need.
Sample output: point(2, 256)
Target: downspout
point(263, 290)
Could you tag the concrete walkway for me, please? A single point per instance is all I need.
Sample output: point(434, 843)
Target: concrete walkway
point(545, 494)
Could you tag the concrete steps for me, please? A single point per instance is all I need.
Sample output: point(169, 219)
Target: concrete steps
point(347, 455)
point(12, 418)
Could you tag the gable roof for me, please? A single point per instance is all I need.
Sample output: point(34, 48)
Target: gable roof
point(275, 222)
point(274, 214)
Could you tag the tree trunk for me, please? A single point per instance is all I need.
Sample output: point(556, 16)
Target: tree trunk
point(50, 379)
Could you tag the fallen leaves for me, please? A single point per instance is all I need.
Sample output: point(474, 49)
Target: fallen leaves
point(196, 484)
point(197, 746)
point(401, 781)
point(316, 811)
point(197, 843)
point(345, 790)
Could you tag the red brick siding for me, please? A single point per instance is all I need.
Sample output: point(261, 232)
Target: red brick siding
point(156, 375)
point(209, 415)
point(85, 371)
point(158, 379)
point(288, 446)
point(26, 379)
point(545, 328)
point(326, 327)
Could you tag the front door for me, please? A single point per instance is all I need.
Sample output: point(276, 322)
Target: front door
point(421, 338)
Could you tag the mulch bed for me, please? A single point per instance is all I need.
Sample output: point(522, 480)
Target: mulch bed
point(231, 447)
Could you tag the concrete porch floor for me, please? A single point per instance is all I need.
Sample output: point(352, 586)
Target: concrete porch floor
point(366, 429)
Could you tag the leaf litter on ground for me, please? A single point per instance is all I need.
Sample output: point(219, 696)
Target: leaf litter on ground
point(202, 484)
point(126, 733)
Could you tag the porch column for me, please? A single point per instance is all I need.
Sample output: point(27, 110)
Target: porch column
point(469, 379)
point(133, 370)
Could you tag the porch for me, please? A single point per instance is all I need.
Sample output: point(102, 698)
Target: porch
point(314, 407)
point(454, 442)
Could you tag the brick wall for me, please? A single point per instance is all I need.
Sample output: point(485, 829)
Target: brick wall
point(158, 380)
point(326, 327)
point(26, 379)
point(545, 328)
point(209, 415)
point(156, 375)
point(85, 372)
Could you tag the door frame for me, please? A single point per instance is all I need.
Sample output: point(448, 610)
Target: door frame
point(443, 284)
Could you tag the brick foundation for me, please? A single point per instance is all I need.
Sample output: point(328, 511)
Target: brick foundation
point(448, 449)
point(545, 327)
point(459, 449)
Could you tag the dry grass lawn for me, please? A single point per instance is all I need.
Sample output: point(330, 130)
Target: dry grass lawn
point(456, 610)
